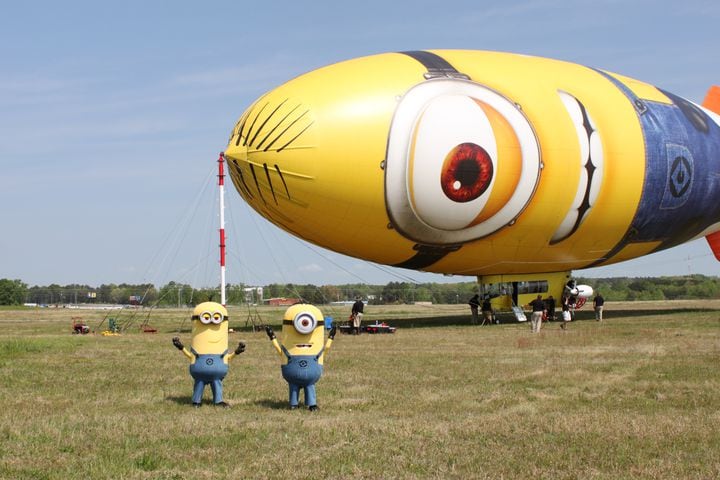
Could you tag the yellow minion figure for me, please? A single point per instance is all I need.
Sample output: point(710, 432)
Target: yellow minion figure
point(303, 350)
point(208, 354)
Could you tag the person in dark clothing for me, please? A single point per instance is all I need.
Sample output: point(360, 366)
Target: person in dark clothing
point(598, 303)
point(550, 305)
point(538, 308)
point(357, 314)
point(487, 311)
point(474, 303)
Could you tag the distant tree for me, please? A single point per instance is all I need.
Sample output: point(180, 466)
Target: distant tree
point(117, 295)
point(12, 292)
point(331, 293)
point(704, 288)
point(176, 294)
point(398, 292)
point(236, 294)
point(149, 294)
point(273, 290)
point(423, 293)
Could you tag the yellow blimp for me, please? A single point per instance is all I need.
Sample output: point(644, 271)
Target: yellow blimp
point(512, 168)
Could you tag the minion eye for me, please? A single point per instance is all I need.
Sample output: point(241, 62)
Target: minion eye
point(206, 318)
point(462, 162)
point(217, 318)
point(304, 323)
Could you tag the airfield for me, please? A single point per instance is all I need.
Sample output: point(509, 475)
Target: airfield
point(636, 396)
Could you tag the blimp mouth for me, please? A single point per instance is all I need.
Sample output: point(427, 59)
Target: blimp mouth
point(265, 155)
point(591, 160)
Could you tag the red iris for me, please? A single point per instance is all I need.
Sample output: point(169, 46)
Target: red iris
point(466, 172)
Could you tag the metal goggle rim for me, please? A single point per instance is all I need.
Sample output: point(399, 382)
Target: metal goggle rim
point(211, 319)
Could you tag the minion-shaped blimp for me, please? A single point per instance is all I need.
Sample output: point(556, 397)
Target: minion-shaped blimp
point(208, 354)
point(509, 167)
point(302, 348)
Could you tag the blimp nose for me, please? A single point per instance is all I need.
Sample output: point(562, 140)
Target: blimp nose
point(268, 150)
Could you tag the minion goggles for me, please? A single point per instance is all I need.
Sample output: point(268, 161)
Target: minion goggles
point(211, 317)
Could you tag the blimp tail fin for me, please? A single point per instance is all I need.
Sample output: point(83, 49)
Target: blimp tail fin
point(714, 241)
point(712, 103)
point(712, 99)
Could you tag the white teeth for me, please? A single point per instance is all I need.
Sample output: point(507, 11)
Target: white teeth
point(573, 108)
point(591, 164)
point(597, 158)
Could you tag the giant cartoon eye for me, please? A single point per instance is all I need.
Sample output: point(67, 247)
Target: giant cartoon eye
point(304, 323)
point(462, 162)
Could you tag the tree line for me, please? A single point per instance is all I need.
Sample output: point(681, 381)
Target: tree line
point(16, 292)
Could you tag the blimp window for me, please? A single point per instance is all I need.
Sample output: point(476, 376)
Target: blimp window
point(462, 162)
point(534, 286)
point(304, 323)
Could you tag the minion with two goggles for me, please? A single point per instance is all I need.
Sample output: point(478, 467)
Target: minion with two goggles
point(208, 354)
point(303, 351)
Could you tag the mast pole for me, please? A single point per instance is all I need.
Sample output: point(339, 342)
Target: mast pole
point(221, 186)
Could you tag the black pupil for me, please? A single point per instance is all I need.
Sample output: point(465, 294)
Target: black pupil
point(467, 172)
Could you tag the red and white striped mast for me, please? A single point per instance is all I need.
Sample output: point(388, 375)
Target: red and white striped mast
point(221, 185)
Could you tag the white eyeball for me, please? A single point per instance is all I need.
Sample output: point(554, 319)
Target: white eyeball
point(304, 323)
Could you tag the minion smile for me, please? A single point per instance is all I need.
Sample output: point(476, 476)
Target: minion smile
point(303, 345)
point(591, 162)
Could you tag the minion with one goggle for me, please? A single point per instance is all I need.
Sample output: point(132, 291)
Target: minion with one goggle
point(208, 354)
point(302, 348)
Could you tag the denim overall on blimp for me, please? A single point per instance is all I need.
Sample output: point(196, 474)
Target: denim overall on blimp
point(682, 173)
point(302, 371)
point(208, 368)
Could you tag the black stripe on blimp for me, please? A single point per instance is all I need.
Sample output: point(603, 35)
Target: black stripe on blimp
point(426, 255)
point(435, 64)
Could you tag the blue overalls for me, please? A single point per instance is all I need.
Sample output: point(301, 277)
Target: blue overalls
point(682, 173)
point(302, 371)
point(208, 368)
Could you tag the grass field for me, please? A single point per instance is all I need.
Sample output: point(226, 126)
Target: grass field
point(637, 396)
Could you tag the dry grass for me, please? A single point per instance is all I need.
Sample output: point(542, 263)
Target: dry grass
point(633, 397)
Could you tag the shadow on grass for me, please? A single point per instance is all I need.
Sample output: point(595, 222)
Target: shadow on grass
point(272, 404)
point(187, 400)
point(180, 400)
point(505, 318)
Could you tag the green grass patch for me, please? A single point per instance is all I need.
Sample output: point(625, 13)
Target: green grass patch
point(633, 397)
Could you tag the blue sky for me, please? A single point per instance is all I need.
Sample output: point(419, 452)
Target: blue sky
point(112, 116)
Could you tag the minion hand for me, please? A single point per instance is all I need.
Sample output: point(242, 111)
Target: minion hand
point(178, 344)
point(240, 348)
point(270, 333)
point(332, 333)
